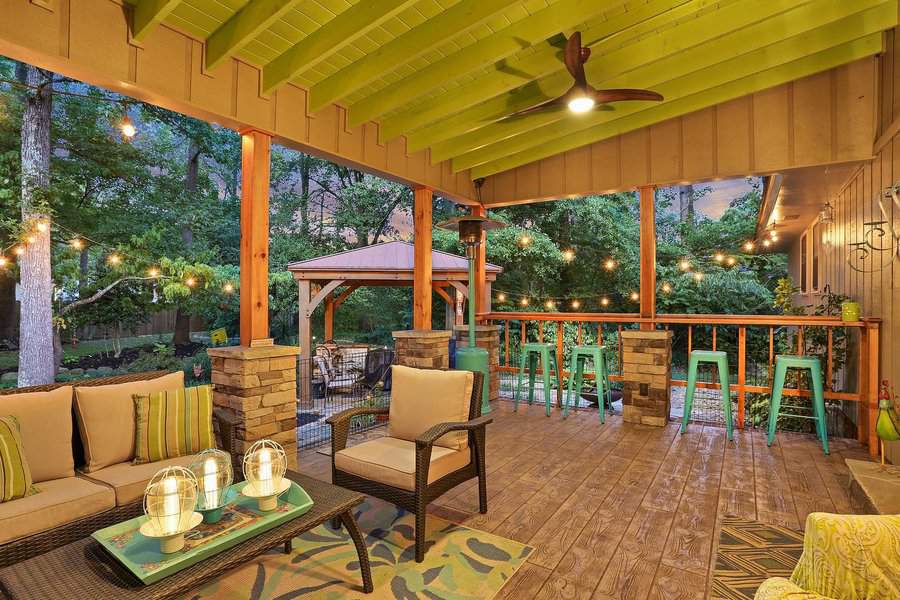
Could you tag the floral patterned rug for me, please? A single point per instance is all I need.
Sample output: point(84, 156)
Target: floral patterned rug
point(460, 563)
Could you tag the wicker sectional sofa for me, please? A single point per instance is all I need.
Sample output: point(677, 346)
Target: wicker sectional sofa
point(83, 486)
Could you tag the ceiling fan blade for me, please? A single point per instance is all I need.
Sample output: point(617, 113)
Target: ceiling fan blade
point(537, 107)
point(573, 58)
point(620, 95)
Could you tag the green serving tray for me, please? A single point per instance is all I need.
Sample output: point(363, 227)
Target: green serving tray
point(240, 521)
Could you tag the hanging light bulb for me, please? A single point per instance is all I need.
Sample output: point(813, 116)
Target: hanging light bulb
point(3, 262)
point(774, 237)
point(153, 272)
point(114, 259)
point(666, 288)
point(501, 297)
point(19, 250)
point(684, 265)
point(549, 304)
point(524, 302)
point(127, 127)
point(524, 240)
point(190, 282)
point(730, 261)
point(609, 264)
point(77, 243)
point(698, 277)
point(228, 288)
point(568, 255)
point(42, 226)
point(634, 296)
point(767, 243)
point(719, 257)
point(30, 238)
point(576, 304)
point(748, 246)
point(604, 301)
point(826, 215)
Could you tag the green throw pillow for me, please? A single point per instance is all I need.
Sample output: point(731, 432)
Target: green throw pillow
point(172, 423)
point(15, 476)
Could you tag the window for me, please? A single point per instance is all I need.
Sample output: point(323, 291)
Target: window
point(803, 274)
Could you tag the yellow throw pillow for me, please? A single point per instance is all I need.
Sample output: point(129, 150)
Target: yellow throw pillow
point(15, 476)
point(172, 423)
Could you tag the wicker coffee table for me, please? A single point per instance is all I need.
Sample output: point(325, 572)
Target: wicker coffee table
point(83, 569)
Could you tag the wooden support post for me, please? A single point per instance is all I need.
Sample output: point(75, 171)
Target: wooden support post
point(422, 204)
point(560, 356)
point(329, 318)
point(255, 151)
point(742, 375)
point(304, 340)
point(648, 256)
point(870, 374)
point(480, 294)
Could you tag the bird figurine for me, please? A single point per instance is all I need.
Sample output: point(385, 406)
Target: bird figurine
point(888, 424)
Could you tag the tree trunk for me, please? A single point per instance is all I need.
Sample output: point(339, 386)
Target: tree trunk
point(686, 203)
point(36, 364)
point(182, 334)
point(83, 266)
point(190, 186)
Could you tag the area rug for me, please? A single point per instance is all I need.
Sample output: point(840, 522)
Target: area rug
point(749, 553)
point(460, 563)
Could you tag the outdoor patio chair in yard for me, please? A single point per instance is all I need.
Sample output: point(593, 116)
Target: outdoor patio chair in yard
point(435, 441)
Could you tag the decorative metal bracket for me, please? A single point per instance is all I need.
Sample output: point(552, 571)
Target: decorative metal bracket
point(879, 241)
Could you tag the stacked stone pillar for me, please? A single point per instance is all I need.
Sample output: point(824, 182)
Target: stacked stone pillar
point(487, 337)
point(646, 376)
point(259, 387)
point(425, 349)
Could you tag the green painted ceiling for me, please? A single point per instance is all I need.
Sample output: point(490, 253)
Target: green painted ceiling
point(448, 73)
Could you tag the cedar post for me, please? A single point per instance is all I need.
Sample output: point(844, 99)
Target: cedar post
point(329, 318)
point(648, 256)
point(255, 152)
point(482, 300)
point(870, 349)
point(422, 204)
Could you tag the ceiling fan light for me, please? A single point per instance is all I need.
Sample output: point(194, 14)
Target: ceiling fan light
point(581, 104)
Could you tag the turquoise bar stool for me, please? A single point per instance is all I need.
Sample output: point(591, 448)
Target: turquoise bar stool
point(720, 359)
point(580, 355)
point(783, 362)
point(531, 354)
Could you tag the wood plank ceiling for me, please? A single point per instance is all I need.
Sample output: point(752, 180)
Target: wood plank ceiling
point(449, 73)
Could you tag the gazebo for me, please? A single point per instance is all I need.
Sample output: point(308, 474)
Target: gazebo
point(386, 264)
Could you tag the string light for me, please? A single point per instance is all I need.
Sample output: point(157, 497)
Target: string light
point(684, 265)
point(3, 262)
point(634, 296)
point(153, 272)
point(18, 250)
point(568, 255)
point(228, 288)
point(773, 234)
point(604, 301)
point(190, 282)
point(719, 257)
point(666, 288)
point(549, 304)
point(576, 304)
point(127, 128)
point(501, 297)
point(42, 226)
point(767, 243)
point(730, 261)
point(524, 302)
point(30, 238)
point(698, 277)
point(774, 237)
point(77, 243)
point(748, 246)
point(609, 264)
point(524, 240)
point(114, 259)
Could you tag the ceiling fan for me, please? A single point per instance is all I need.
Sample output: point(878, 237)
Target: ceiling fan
point(582, 97)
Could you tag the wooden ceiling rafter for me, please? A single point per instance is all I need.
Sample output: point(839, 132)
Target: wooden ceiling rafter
point(147, 16)
point(243, 27)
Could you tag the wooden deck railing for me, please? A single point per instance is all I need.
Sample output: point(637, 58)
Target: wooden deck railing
point(752, 338)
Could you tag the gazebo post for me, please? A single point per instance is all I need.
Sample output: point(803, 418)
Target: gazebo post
point(648, 255)
point(422, 277)
point(480, 293)
point(329, 318)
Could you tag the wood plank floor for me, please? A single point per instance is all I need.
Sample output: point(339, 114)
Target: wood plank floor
point(621, 511)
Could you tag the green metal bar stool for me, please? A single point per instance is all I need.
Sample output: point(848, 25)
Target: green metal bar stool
point(783, 362)
point(531, 353)
point(580, 355)
point(720, 359)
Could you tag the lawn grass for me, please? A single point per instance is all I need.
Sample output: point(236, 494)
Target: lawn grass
point(9, 359)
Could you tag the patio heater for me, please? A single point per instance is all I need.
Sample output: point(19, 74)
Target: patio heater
point(471, 357)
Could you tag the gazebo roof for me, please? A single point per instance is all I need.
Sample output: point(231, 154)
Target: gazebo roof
point(396, 257)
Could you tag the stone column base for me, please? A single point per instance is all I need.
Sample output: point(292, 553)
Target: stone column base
point(259, 387)
point(422, 348)
point(487, 337)
point(646, 376)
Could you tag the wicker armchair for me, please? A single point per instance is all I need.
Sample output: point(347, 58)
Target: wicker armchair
point(33, 545)
point(429, 452)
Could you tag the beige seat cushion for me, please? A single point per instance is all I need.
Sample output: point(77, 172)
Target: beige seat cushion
point(105, 416)
point(393, 462)
point(45, 421)
point(423, 398)
point(60, 501)
point(129, 481)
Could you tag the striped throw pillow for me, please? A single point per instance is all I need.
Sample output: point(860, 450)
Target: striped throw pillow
point(15, 476)
point(172, 423)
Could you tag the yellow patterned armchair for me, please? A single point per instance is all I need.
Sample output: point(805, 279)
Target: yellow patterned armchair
point(845, 557)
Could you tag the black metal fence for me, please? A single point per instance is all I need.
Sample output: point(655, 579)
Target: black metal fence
point(337, 379)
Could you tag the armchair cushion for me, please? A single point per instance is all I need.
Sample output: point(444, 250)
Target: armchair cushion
point(392, 461)
point(423, 398)
point(45, 420)
point(850, 556)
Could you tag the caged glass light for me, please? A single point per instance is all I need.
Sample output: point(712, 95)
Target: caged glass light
point(169, 502)
point(214, 474)
point(264, 466)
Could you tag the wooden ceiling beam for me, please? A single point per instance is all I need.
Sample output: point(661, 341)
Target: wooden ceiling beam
point(544, 60)
point(740, 45)
point(243, 27)
point(543, 24)
point(451, 23)
point(798, 69)
point(147, 15)
point(330, 38)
